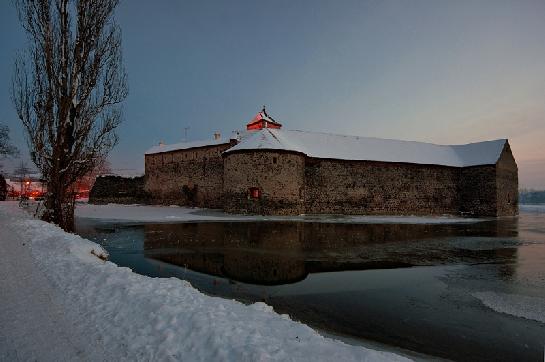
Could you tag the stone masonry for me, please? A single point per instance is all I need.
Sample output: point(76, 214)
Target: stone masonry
point(291, 184)
point(118, 190)
point(191, 177)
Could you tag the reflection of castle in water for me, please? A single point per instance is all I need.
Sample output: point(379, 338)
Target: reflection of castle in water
point(283, 252)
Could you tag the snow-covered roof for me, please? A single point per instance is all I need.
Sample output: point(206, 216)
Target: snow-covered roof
point(325, 145)
point(235, 135)
point(185, 145)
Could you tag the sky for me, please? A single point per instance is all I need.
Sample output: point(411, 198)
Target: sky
point(446, 72)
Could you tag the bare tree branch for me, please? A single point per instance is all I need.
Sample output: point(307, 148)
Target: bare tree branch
point(6, 148)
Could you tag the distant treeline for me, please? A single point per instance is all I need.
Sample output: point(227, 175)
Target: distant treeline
point(531, 197)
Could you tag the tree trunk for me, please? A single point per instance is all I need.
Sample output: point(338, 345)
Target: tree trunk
point(59, 205)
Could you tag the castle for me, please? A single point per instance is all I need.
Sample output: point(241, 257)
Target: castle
point(271, 171)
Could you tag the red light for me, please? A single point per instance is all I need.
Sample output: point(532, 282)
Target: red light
point(255, 193)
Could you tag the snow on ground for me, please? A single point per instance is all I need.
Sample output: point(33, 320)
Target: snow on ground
point(61, 302)
point(518, 305)
point(532, 208)
point(148, 213)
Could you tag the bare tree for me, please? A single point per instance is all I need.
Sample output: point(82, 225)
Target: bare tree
point(67, 90)
point(6, 148)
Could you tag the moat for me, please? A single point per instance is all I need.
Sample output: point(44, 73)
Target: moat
point(414, 286)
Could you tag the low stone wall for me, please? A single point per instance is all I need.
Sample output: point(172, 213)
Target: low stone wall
point(119, 190)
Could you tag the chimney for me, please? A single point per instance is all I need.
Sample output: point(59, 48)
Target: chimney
point(217, 136)
point(161, 143)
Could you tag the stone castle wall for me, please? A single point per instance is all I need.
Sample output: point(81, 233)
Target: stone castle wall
point(507, 193)
point(279, 177)
point(290, 183)
point(192, 177)
point(478, 191)
point(379, 188)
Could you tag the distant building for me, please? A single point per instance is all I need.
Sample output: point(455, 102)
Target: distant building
point(267, 170)
point(30, 185)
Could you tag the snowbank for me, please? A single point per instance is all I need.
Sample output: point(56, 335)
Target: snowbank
point(518, 305)
point(135, 317)
point(147, 213)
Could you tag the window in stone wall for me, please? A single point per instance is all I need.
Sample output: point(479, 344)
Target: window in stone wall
point(275, 160)
point(254, 193)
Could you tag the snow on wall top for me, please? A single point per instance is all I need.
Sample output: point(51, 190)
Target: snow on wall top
point(185, 145)
point(235, 135)
point(325, 145)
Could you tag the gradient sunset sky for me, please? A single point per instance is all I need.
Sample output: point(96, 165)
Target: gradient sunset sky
point(447, 72)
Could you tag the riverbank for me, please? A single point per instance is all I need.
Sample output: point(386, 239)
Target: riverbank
point(62, 302)
point(176, 214)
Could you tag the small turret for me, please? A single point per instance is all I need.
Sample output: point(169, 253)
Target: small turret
point(262, 120)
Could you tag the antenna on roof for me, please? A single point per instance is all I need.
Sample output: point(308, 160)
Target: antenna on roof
point(264, 111)
point(185, 133)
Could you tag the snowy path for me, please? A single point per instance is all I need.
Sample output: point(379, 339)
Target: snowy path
point(32, 323)
point(60, 302)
